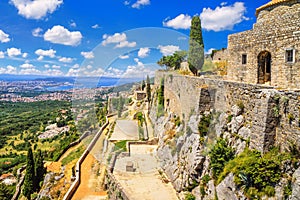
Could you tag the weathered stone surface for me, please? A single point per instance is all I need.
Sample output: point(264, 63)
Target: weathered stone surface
point(296, 185)
point(245, 133)
point(236, 123)
point(193, 123)
point(226, 189)
point(236, 111)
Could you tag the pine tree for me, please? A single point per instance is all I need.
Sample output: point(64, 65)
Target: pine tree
point(196, 49)
point(29, 176)
point(39, 169)
point(143, 85)
point(148, 89)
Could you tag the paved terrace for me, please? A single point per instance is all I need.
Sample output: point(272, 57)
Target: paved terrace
point(145, 182)
point(125, 130)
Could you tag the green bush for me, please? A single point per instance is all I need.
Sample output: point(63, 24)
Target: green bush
point(189, 196)
point(220, 154)
point(203, 125)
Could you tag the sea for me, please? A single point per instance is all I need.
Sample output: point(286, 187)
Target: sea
point(66, 83)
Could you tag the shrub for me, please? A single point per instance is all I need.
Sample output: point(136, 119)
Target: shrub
point(203, 125)
point(189, 196)
point(220, 154)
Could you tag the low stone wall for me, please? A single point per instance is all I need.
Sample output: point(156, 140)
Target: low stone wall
point(116, 191)
point(186, 95)
point(76, 183)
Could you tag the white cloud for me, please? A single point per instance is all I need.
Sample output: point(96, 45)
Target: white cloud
point(143, 52)
point(124, 57)
point(209, 51)
point(180, 22)
point(27, 66)
point(168, 50)
point(11, 52)
point(66, 60)
point(89, 67)
point(140, 3)
point(47, 66)
point(55, 66)
point(120, 39)
point(223, 17)
point(95, 26)
point(87, 55)
point(126, 3)
point(73, 24)
point(50, 53)
point(30, 71)
point(1, 54)
point(53, 72)
point(25, 55)
point(125, 44)
point(36, 9)
point(8, 70)
point(4, 37)
point(138, 70)
point(40, 58)
point(76, 66)
point(37, 32)
point(60, 35)
point(73, 72)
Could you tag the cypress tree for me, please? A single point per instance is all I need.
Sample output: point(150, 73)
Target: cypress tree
point(143, 85)
point(39, 169)
point(148, 89)
point(196, 48)
point(29, 176)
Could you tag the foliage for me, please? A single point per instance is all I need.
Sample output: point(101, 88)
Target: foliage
point(73, 155)
point(177, 121)
point(29, 181)
point(120, 146)
point(208, 66)
point(256, 174)
point(196, 46)
point(189, 196)
point(220, 154)
point(203, 125)
point(173, 61)
point(221, 67)
point(140, 117)
point(40, 170)
point(160, 99)
point(143, 85)
point(6, 192)
point(148, 88)
point(241, 105)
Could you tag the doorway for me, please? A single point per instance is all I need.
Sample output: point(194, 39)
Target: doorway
point(264, 67)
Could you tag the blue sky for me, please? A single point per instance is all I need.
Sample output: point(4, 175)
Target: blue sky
point(112, 38)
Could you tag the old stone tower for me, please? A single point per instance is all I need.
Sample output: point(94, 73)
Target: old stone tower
point(270, 52)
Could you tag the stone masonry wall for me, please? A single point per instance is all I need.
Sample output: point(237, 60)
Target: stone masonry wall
point(271, 115)
point(275, 31)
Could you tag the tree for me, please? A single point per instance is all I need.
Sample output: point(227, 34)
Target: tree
point(5, 193)
point(173, 61)
point(148, 89)
point(196, 49)
point(39, 169)
point(29, 176)
point(120, 106)
point(143, 85)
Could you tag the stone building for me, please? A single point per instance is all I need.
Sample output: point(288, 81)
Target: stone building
point(270, 52)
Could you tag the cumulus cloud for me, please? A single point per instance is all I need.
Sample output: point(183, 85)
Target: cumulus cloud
point(2, 54)
point(4, 37)
point(37, 32)
point(30, 71)
point(180, 22)
point(11, 52)
point(143, 52)
point(168, 50)
point(140, 3)
point(53, 72)
point(41, 53)
point(66, 60)
point(36, 9)
point(8, 70)
point(55, 66)
point(138, 70)
point(72, 72)
point(120, 39)
point(25, 55)
point(87, 55)
point(60, 35)
point(223, 17)
point(27, 66)
point(95, 26)
point(73, 24)
point(124, 57)
point(209, 51)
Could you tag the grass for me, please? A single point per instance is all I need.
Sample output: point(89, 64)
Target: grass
point(120, 146)
point(73, 155)
point(208, 66)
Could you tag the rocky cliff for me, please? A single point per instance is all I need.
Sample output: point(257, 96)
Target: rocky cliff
point(197, 112)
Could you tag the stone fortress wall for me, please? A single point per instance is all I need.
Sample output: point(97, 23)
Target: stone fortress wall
point(276, 30)
point(273, 116)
